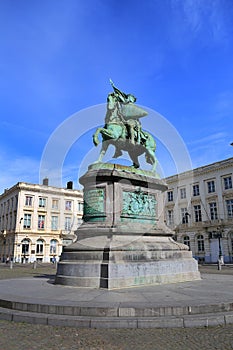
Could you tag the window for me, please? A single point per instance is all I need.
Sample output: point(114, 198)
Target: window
point(28, 201)
point(80, 206)
point(200, 243)
point(25, 246)
point(211, 186)
point(213, 211)
point(197, 213)
point(54, 222)
point(182, 193)
point(42, 202)
point(16, 201)
point(170, 196)
point(196, 191)
point(186, 241)
point(53, 246)
point(170, 217)
point(55, 203)
point(184, 216)
point(7, 217)
point(68, 223)
point(14, 221)
point(68, 205)
point(27, 221)
point(41, 221)
point(229, 204)
point(39, 246)
point(227, 182)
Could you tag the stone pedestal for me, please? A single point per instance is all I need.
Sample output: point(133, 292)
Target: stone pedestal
point(123, 241)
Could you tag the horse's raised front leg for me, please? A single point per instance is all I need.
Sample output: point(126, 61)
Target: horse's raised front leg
point(95, 137)
point(102, 152)
point(104, 132)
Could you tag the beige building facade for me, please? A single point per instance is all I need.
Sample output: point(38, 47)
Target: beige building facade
point(199, 208)
point(36, 221)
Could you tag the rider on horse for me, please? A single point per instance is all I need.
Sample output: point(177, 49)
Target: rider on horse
point(123, 130)
point(125, 107)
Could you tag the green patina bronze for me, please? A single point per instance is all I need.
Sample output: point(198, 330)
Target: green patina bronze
point(94, 205)
point(138, 205)
point(123, 168)
point(123, 129)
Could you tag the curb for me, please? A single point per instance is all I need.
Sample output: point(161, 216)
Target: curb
point(187, 321)
point(118, 317)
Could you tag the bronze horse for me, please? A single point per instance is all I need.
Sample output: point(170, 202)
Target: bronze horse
point(117, 130)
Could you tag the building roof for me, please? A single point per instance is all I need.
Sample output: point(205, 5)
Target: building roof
point(201, 170)
point(40, 188)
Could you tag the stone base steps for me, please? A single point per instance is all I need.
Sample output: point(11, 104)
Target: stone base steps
point(204, 320)
point(84, 317)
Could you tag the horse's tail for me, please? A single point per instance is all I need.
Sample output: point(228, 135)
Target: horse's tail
point(95, 137)
point(149, 141)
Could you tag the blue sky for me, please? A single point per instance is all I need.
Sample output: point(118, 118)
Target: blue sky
point(57, 57)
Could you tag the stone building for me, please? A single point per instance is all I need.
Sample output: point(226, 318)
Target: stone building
point(37, 220)
point(199, 208)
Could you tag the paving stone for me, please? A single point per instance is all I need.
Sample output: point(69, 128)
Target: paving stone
point(23, 336)
point(209, 331)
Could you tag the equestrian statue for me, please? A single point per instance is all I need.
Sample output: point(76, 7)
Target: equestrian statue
point(123, 129)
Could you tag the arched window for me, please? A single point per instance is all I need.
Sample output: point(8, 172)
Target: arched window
point(200, 243)
point(39, 246)
point(25, 246)
point(53, 246)
point(186, 240)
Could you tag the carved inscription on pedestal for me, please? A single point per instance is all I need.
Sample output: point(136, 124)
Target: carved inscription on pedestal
point(94, 205)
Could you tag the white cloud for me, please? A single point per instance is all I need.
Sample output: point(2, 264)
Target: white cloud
point(25, 169)
point(193, 14)
point(208, 140)
point(209, 149)
point(20, 169)
point(208, 21)
point(224, 103)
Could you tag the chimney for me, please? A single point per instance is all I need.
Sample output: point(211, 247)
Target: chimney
point(69, 185)
point(45, 181)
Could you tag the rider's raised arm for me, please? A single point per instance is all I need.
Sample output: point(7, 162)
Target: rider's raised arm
point(122, 97)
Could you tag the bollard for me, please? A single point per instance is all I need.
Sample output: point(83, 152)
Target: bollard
point(219, 264)
point(11, 265)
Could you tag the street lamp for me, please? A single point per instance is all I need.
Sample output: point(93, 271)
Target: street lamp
point(17, 243)
point(218, 235)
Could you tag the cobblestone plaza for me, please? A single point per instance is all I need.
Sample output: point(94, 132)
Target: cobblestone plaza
point(21, 336)
point(17, 336)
